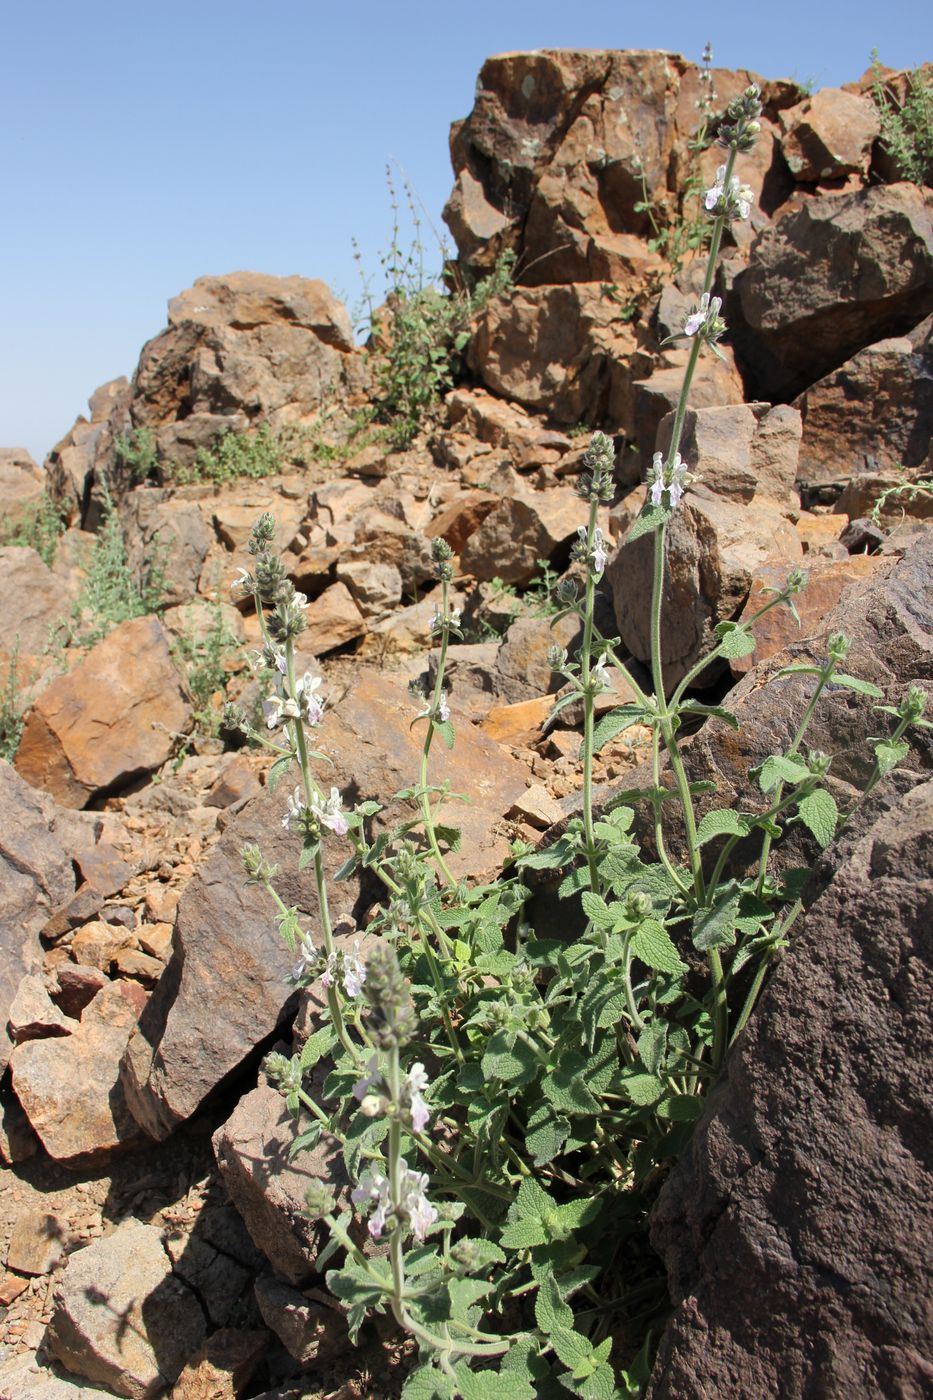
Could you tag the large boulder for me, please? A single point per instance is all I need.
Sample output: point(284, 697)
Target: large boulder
point(829, 135)
point(525, 527)
point(36, 875)
point(796, 1229)
point(245, 345)
point(22, 483)
point(843, 272)
point(872, 414)
point(113, 718)
point(122, 1318)
point(172, 529)
point(39, 604)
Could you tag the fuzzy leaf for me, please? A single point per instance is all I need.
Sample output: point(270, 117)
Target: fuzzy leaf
point(317, 1046)
point(857, 684)
point(278, 770)
point(652, 944)
point(546, 1134)
point(693, 707)
point(596, 909)
point(819, 814)
point(735, 640)
point(681, 1108)
point(509, 1059)
point(642, 1088)
point(889, 755)
point(427, 1383)
point(573, 1350)
point(492, 1385)
point(561, 853)
point(616, 722)
point(445, 729)
point(778, 769)
point(551, 1311)
point(715, 927)
point(651, 519)
point(722, 822)
point(652, 1046)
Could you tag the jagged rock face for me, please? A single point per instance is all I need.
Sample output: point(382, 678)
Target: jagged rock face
point(796, 1230)
point(111, 719)
point(842, 273)
point(873, 414)
point(830, 135)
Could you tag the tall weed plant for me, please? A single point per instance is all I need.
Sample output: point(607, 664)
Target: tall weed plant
point(506, 1102)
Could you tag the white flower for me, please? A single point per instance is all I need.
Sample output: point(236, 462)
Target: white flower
point(417, 1081)
point(656, 479)
point(675, 480)
point(598, 673)
point(600, 553)
point(372, 1077)
point(311, 706)
point(329, 813)
point(715, 192)
point(443, 709)
point(307, 956)
point(415, 1203)
point(243, 582)
point(679, 478)
point(279, 709)
point(354, 971)
point(296, 809)
point(327, 976)
point(374, 1189)
point(734, 201)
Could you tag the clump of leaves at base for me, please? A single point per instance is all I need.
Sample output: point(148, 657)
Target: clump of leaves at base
point(906, 114)
point(40, 528)
point(423, 330)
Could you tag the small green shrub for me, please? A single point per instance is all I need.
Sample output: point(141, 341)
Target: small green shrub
point(203, 660)
point(110, 595)
point(137, 452)
point(907, 121)
point(40, 529)
point(11, 713)
point(423, 329)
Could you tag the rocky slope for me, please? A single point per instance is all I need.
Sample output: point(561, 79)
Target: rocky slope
point(141, 981)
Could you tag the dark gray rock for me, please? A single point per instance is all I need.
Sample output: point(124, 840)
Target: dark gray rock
point(796, 1230)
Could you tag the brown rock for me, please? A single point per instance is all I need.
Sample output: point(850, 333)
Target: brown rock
point(829, 135)
point(223, 1367)
point(18, 1142)
point(113, 718)
point(309, 1330)
point(247, 300)
point(268, 1187)
point(39, 602)
point(842, 273)
point(557, 349)
point(70, 466)
point(332, 620)
point(22, 482)
point(169, 526)
point(97, 944)
point(33, 1015)
point(525, 527)
point(827, 580)
point(35, 875)
point(523, 671)
point(77, 985)
point(462, 518)
point(809, 1171)
point(77, 1128)
point(537, 807)
point(714, 385)
point(520, 723)
point(36, 1244)
point(122, 1319)
point(874, 413)
point(375, 587)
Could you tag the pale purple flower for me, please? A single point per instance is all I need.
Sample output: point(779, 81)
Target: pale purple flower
point(330, 814)
point(374, 1187)
point(415, 1203)
point(417, 1081)
point(674, 480)
point(598, 673)
point(705, 315)
point(678, 481)
point(369, 1080)
point(327, 976)
point(312, 707)
point(279, 709)
point(656, 479)
point(354, 971)
point(734, 201)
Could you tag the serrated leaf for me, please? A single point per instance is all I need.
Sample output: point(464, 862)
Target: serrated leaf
point(596, 909)
point(551, 1311)
point(778, 769)
point(445, 729)
point(722, 822)
point(428, 1383)
point(819, 814)
point(523, 1234)
point(889, 755)
point(545, 1134)
point(715, 927)
point(319, 1044)
point(857, 684)
point(735, 640)
point(642, 1089)
point(693, 707)
point(616, 722)
point(600, 1385)
point(681, 1108)
point(509, 1059)
point(573, 1350)
point(653, 945)
point(308, 851)
point(577, 880)
point(652, 1046)
point(561, 853)
point(492, 1385)
point(651, 518)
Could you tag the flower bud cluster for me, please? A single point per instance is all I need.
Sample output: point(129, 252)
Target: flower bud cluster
point(259, 871)
point(442, 554)
point(741, 127)
point(837, 646)
point(674, 479)
point(391, 1015)
point(913, 705)
point(596, 483)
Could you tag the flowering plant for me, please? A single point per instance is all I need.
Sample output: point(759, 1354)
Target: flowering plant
point(507, 1101)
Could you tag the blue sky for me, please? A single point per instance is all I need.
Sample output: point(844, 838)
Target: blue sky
point(143, 146)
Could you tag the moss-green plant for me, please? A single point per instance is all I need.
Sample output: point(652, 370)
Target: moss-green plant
point(40, 528)
point(203, 657)
point(907, 121)
point(11, 711)
point(423, 330)
point(110, 594)
point(137, 452)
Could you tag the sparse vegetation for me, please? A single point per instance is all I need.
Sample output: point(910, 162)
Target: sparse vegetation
point(11, 712)
point(40, 529)
point(907, 120)
point(203, 657)
point(110, 595)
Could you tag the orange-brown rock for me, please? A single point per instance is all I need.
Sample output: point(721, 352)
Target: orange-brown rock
point(22, 482)
point(520, 723)
point(525, 527)
point(332, 620)
point(113, 718)
point(829, 135)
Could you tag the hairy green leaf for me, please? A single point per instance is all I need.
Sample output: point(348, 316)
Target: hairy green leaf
point(819, 814)
point(653, 945)
point(722, 822)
